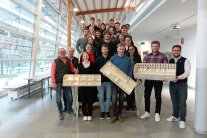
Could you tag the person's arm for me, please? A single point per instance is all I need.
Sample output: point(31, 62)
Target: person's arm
point(165, 59)
point(53, 72)
point(145, 59)
point(72, 68)
point(187, 68)
point(78, 46)
point(130, 69)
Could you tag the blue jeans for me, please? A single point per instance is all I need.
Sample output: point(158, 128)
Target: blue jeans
point(179, 93)
point(67, 93)
point(105, 87)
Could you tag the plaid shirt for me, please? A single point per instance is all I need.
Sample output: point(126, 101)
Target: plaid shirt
point(157, 58)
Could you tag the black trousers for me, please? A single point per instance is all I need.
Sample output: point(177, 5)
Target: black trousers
point(149, 85)
point(130, 100)
point(87, 100)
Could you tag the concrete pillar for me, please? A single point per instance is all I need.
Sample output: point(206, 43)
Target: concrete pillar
point(201, 70)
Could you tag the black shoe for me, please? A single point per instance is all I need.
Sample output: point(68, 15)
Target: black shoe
point(61, 116)
point(108, 115)
point(64, 109)
point(102, 116)
point(133, 108)
point(127, 108)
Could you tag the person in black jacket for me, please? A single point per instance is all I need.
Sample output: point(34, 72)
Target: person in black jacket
point(74, 64)
point(87, 95)
point(135, 58)
point(105, 83)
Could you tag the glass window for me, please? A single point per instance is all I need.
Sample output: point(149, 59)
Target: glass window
point(46, 50)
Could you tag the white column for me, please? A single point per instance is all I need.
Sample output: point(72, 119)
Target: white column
point(36, 36)
point(201, 70)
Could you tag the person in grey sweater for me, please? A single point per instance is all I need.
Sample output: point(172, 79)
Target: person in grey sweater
point(82, 41)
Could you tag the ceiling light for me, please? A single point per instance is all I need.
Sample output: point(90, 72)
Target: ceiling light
point(75, 9)
point(82, 21)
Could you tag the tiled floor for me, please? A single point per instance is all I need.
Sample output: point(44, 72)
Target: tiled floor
point(38, 118)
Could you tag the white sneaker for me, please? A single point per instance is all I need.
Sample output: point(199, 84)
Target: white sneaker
point(85, 118)
point(145, 115)
point(172, 119)
point(157, 117)
point(89, 118)
point(182, 124)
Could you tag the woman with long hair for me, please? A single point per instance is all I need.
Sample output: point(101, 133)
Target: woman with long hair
point(87, 95)
point(135, 58)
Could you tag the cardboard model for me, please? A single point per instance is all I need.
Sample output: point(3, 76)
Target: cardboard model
point(82, 80)
point(118, 77)
point(155, 71)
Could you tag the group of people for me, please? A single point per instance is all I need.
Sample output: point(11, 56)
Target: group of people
point(112, 42)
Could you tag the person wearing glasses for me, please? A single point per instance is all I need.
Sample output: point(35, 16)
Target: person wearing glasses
point(179, 86)
point(134, 58)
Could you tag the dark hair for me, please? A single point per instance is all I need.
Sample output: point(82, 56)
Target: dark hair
point(98, 20)
point(177, 46)
point(135, 51)
point(85, 29)
point(127, 36)
point(111, 27)
point(105, 45)
point(155, 42)
point(107, 32)
point(117, 23)
point(97, 31)
point(128, 25)
point(123, 26)
point(111, 20)
point(92, 18)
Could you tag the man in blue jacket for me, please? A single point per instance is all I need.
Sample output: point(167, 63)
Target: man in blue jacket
point(123, 62)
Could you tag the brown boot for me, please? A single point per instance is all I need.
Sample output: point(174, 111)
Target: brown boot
point(114, 119)
point(120, 119)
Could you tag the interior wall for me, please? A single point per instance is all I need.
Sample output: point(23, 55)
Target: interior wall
point(188, 49)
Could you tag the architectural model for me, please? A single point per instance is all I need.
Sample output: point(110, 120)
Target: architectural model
point(118, 77)
point(82, 80)
point(155, 71)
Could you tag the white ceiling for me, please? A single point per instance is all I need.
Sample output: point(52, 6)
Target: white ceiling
point(159, 23)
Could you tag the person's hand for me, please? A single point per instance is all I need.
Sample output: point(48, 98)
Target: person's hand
point(54, 85)
point(176, 79)
point(76, 71)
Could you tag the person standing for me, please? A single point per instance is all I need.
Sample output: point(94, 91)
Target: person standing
point(74, 64)
point(60, 67)
point(105, 87)
point(135, 58)
point(154, 57)
point(81, 42)
point(179, 86)
point(87, 94)
point(122, 62)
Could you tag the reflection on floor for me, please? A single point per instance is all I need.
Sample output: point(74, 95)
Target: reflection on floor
point(38, 118)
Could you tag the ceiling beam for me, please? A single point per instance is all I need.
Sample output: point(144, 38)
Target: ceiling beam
point(108, 8)
point(94, 6)
point(121, 11)
point(102, 8)
point(115, 7)
point(105, 10)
